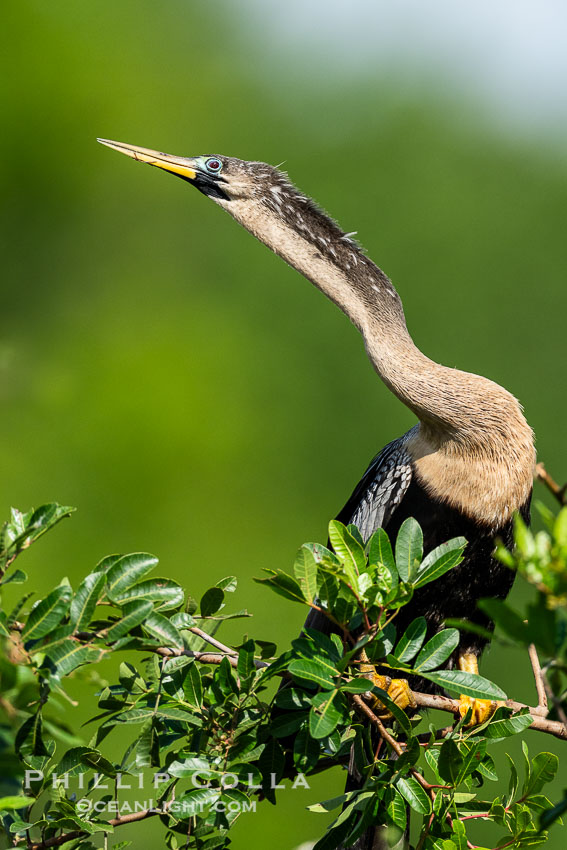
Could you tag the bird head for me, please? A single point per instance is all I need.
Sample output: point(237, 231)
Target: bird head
point(222, 178)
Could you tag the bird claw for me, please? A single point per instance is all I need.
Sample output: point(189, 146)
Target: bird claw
point(481, 709)
point(398, 690)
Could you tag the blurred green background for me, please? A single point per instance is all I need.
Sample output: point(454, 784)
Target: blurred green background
point(173, 379)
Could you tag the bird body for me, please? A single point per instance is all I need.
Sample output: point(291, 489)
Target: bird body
point(467, 466)
point(389, 492)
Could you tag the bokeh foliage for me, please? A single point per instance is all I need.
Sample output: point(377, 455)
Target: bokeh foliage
point(176, 381)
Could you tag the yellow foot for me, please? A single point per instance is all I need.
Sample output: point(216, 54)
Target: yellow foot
point(397, 689)
point(481, 709)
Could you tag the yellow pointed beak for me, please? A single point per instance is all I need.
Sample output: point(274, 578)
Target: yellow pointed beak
point(183, 166)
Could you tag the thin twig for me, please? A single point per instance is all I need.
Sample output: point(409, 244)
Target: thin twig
point(560, 493)
point(539, 723)
point(539, 681)
point(365, 709)
point(213, 641)
point(203, 657)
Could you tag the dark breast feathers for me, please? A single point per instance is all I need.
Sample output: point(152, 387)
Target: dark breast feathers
point(387, 494)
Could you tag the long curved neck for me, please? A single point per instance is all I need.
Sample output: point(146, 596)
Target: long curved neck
point(455, 405)
point(442, 398)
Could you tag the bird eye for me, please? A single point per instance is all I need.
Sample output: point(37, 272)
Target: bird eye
point(213, 165)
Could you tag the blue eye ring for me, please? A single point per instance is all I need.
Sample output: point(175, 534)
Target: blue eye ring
point(213, 165)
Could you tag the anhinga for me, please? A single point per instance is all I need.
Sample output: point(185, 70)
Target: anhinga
point(465, 468)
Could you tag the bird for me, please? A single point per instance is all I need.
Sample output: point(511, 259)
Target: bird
point(464, 469)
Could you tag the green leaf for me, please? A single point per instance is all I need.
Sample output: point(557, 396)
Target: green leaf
point(130, 679)
point(93, 759)
point(313, 670)
point(147, 748)
point(10, 804)
point(211, 601)
point(409, 549)
point(29, 738)
point(68, 655)
point(305, 569)
point(161, 628)
point(413, 793)
point(133, 716)
point(85, 600)
point(469, 684)
point(560, 528)
point(472, 753)
point(395, 807)
point(355, 532)
point(17, 577)
point(459, 835)
point(196, 802)
point(192, 686)
point(523, 537)
point(24, 529)
point(225, 678)
point(503, 726)
point(327, 649)
point(357, 686)
point(163, 591)
point(394, 709)
point(283, 584)
point(106, 563)
point(348, 549)
point(228, 584)
point(325, 806)
point(127, 571)
point(271, 764)
point(326, 713)
point(431, 755)
point(134, 614)
point(440, 560)
point(287, 724)
point(544, 768)
point(411, 641)
point(181, 620)
point(72, 762)
point(4, 630)
point(513, 782)
point(48, 613)
point(292, 699)
point(245, 666)
point(487, 768)
point(380, 551)
point(450, 762)
point(437, 650)
point(170, 712)
point(306, 750)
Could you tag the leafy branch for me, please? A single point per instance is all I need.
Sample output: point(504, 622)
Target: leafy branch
point(222, 733)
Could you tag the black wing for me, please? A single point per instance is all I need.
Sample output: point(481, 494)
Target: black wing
point(381, 489)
